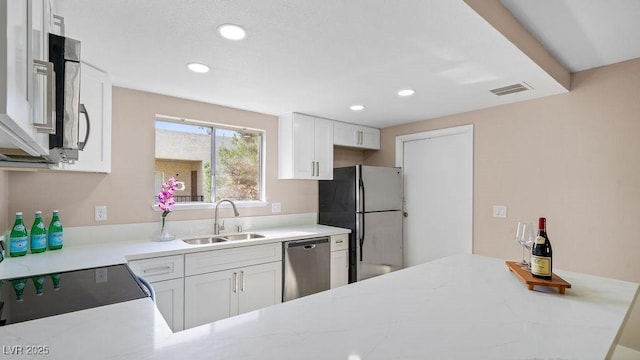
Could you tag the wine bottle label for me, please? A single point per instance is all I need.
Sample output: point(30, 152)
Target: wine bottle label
point(38, 241)
point(541, 265)
point(539, 240)
point(17, 245)
point(19, 228)
point(55, 239)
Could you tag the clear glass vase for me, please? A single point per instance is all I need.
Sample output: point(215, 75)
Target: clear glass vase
point(164, 234)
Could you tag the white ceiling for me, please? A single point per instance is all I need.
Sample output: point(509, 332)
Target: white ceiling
point(316, 57)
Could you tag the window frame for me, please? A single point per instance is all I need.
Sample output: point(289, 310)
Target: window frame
point(194, 205)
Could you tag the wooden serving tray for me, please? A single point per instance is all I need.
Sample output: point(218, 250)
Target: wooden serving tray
point(526, 277)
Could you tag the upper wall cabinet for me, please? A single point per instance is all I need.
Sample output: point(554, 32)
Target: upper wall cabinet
point(95, 95)
point(355, 136)
point(25, 76)
point(305, 147)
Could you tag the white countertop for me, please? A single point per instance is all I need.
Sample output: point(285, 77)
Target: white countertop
point(118, 252)
point(460, 307)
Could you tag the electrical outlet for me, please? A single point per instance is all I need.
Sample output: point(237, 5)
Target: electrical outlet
point(101, 212)
point(276, 207)
point(101, 275)
point(500, 211)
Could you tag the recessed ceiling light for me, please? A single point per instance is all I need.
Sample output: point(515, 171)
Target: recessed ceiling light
point(357, 107)
point(406, 92)
point(232, 32)
point(198, 68)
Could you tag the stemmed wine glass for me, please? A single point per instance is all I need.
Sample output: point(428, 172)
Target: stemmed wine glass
point(524, 237)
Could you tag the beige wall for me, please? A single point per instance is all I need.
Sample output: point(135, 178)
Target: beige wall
point(572, 158)
point(128, 189)
point(346, 157)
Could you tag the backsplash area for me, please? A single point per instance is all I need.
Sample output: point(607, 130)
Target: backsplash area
point(185, 228)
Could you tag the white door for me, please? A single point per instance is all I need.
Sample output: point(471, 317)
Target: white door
point(260, 286)
point(438, 186)
point(339, 268)
point(323, 149)
point(303, 146)
point(210, 297)
point(170, 302)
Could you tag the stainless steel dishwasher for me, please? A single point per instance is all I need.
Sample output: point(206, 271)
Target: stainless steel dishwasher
point(306, 267)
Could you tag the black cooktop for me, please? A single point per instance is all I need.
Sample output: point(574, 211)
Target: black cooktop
point(39, 296)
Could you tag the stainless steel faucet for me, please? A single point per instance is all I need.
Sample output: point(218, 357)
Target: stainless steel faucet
point(216, 226)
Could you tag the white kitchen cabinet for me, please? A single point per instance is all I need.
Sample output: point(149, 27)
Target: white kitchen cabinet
point(166, 275)
point(305, 147)
point(95, 94)
point(23, 81)
point(339, 260)
point(356, 136)
point(221, 294)
point(170, 302)
point(228, 282)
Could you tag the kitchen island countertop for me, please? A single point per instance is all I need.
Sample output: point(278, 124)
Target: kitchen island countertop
point(460, 307)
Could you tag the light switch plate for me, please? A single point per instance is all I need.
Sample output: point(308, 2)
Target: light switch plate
point(500, 211)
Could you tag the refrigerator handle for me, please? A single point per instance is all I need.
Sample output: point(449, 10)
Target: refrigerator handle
point(361, 186)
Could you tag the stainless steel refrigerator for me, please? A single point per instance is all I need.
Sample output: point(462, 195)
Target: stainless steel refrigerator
point(367, 200)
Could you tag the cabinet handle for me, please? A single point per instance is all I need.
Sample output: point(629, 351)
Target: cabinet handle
point(235, 282)
point(46, 68)
point(339, 241)
point(83, 110)
point(241, 280)
point(313, 168)
point(317, 168)
point(359, 137)
point(157, 269)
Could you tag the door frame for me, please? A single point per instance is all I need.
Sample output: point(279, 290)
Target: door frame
point(466, 130)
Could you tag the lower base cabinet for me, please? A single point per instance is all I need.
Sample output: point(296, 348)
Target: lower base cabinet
point(339, 268)
point(339, 260)
point(218, 295)
point(170, 302)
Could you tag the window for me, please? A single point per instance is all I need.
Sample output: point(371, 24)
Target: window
point(189, 148)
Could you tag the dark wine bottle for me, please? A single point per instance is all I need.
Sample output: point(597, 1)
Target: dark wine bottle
point(541, 254)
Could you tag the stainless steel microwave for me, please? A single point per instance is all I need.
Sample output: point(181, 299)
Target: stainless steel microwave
point(64, 144)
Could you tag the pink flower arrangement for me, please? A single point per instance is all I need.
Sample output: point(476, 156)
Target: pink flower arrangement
point(165, 197)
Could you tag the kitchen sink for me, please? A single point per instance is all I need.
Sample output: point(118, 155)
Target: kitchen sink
point(246, 236)
point(205, 240)
point(222, 238)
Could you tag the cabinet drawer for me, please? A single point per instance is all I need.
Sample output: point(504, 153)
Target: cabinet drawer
point(216, 260)
point(160, 268)
point(340, 242)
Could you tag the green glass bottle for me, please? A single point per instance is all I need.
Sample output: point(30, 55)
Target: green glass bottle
point(18, 237)
point(55, 232)
point(38, 235)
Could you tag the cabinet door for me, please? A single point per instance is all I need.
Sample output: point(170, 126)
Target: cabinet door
point(210, 297)
point(339, 268)
point(345, 134)
point(303, 146)
point(370, 138)
point(260, 286)
point(170, 302)
point(95, 94)
point(323, 149)
point(16, 120)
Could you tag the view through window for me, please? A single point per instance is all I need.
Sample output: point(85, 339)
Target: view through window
point(189, 150)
